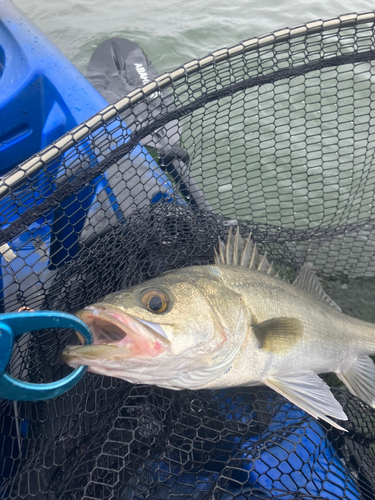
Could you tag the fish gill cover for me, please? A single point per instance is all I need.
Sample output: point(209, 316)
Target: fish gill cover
point(276, 135)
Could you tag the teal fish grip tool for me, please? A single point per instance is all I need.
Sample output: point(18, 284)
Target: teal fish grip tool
point(13, 325)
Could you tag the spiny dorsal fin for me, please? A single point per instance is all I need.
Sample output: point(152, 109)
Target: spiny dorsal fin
point(238, 252)
point(308, 282)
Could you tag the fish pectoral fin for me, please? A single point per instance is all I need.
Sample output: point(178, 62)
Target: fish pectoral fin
point(278, 335)
point(359, 378)
point(308, 391)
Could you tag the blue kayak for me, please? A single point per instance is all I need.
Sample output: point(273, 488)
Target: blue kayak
point(42, 96)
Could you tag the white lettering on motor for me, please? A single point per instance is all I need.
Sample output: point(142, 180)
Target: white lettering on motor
point(143, 75)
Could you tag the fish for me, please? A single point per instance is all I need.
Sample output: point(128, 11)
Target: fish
point(230, 324)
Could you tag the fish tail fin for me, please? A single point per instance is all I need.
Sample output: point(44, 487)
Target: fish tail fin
point(359, 378)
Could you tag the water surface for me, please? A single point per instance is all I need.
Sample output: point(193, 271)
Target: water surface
point(172, 32)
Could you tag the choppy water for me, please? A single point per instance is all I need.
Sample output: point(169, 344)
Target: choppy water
point(172, 32)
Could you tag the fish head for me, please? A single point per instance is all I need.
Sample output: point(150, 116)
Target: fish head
point(179, 330)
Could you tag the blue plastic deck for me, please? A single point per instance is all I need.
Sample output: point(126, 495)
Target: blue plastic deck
point(43, 96)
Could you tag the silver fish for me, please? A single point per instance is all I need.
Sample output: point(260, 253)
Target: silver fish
point(232, 324)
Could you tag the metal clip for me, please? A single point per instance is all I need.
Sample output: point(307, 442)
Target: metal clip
point(13, 325)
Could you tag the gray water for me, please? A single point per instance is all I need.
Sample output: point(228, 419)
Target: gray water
point(172, 32)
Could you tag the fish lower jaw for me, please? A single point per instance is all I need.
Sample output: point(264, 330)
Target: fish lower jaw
point(91, 355)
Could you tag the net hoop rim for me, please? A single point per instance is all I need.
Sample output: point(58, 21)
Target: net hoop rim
point(69, 139)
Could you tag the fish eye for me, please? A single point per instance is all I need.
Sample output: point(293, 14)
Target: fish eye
point(156, 301)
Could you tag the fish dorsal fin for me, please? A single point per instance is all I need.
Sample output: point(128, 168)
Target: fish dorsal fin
point(308, 282)
point(309, 392)
point(240, 252)
point(278, 335)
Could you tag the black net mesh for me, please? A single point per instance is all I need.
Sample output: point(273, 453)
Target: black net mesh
point(277, 135)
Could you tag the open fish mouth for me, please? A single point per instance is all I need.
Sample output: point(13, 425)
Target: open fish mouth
point(116, 335)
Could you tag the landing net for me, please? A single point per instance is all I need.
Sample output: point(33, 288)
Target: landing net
point(276, 135)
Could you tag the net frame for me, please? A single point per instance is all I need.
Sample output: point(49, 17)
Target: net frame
point(162, 82)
